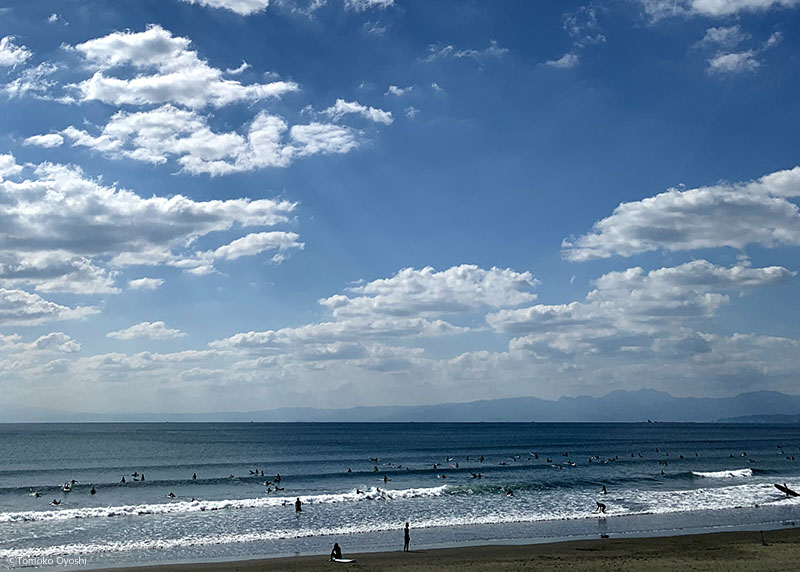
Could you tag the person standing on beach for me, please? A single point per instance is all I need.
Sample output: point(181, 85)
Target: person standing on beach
point(406, 538)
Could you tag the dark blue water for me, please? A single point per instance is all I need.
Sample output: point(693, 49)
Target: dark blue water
point(660, 479)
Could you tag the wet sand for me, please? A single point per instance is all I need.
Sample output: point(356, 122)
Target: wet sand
point(722, 551)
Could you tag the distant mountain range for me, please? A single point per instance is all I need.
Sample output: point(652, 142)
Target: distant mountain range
point(617, 406)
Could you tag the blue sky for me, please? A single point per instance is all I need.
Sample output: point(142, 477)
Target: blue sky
point(239, 204)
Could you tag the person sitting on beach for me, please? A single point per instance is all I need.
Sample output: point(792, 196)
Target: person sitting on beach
point(298, 506)
point(336, 553)
point(406, 538)
point(601, 508)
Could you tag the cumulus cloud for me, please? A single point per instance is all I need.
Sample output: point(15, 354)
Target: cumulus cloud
point(726, 214)
point(429, 292)
point(440, 52)
point(48, 140)
point(12, 55)
point(565, 62)
point(180, 75)
point(57, 342)
point(241, 7)
point(65, 232)
point(145, 283)
point(342, 107)
point(713, 8)
point(370, 323)
point(156, 135)
point(151, 330)
point(21, 308)
point(395, 90)
point(633, 310)
point(733, 63)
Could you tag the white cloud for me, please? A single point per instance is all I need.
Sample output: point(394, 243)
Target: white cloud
point(733, 63)
point(565, 62)
point(342, 107)
point(241, 7)
point(411, 111)
point(395, 90)
point(145, 283)
point(8, 166)
point(713, 8)
point(732, 215)
point(363, 5)
point(12, 55)
point(181, 76)
point(727, 37)
point(57, 342)
point(236, 71)
point(438, 51)
point(427, 292)
point(48, 141)
point(64, 232)
point(156, 135)
point(257, 243)
point(633, 310)
point(21, 308)
point(151, 330)
point(436, 87)
point(36, 81)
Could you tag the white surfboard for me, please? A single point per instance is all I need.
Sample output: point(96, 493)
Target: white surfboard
point(343, 560)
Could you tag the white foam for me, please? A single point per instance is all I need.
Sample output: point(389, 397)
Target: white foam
point(728, 474)
point(561, 507)
point(226, 504)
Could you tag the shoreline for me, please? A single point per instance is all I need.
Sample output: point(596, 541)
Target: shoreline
point(735, 550)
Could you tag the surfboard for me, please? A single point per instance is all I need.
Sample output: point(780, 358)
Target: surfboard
point(343, 560)
point(787, 490)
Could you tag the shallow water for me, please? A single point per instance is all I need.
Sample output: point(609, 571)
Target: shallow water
point(714, 477)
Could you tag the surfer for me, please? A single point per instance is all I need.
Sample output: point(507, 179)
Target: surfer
point(55, 502)
point(171, 495)
point(142, 476)
point(509, 493)
point(601, 507)
point(406, 538)
point(336, 553)
point(123, 480)
point(603, 490)
point(298, 506)
point(194, 476)
point(92, 492)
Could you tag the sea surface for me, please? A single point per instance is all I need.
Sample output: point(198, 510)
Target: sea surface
point(359, 483)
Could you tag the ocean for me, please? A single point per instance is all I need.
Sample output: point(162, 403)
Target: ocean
point(358, 483)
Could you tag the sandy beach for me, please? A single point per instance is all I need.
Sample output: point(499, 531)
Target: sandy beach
point(724, 551)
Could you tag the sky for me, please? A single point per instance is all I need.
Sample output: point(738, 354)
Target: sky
point(236, 205)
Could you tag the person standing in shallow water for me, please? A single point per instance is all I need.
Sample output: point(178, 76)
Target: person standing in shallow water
point(298, 506)
point(406, 538)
